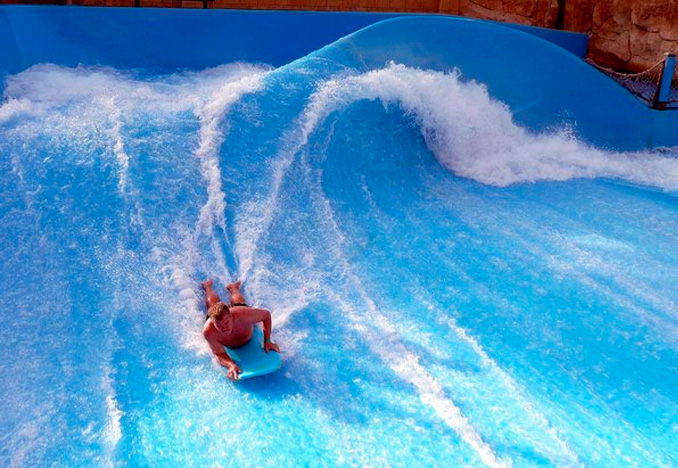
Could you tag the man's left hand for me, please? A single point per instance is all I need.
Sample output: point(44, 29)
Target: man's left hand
point(271, 346)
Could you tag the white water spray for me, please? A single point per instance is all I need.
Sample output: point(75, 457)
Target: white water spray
point(474, 135)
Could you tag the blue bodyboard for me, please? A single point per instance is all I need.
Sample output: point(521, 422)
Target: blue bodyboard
point(252, 358)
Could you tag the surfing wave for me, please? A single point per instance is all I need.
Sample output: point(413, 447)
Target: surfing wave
point(475, 136)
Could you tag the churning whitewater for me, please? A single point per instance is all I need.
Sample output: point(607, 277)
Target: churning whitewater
point(448, 288)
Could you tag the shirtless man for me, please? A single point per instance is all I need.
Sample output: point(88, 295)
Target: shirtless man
point(232, 325)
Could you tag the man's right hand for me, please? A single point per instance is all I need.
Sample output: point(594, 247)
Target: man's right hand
point(233, 371)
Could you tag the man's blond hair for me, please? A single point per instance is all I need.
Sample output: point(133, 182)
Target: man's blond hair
point(218, 310)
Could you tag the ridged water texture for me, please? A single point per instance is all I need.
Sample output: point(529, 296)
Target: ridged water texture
point(448, 289)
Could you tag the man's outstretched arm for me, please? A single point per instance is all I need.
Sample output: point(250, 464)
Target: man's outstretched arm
point(224, 359)
point(264, 316)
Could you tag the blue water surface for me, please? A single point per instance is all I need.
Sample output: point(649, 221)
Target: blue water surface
point(448, 289)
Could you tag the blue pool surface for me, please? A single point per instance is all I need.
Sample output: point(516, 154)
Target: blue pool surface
point(467, 237)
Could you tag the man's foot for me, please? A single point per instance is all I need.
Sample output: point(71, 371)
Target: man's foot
point(234, 287)
point(206, 284)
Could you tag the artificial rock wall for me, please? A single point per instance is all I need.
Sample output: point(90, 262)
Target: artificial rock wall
point(626, 34)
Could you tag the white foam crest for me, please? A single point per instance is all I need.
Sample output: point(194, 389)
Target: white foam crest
point(211, 114)
point(45, 88)
point(55, 85)
point(475, 136)
point(90, 106)
point(12, 108)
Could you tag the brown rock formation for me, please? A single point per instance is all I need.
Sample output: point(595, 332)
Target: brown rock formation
point(626, 34)
point(531, 12)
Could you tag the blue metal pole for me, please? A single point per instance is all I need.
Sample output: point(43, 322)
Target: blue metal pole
point(664, 88)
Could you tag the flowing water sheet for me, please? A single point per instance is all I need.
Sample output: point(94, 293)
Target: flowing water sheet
point(447, 288)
